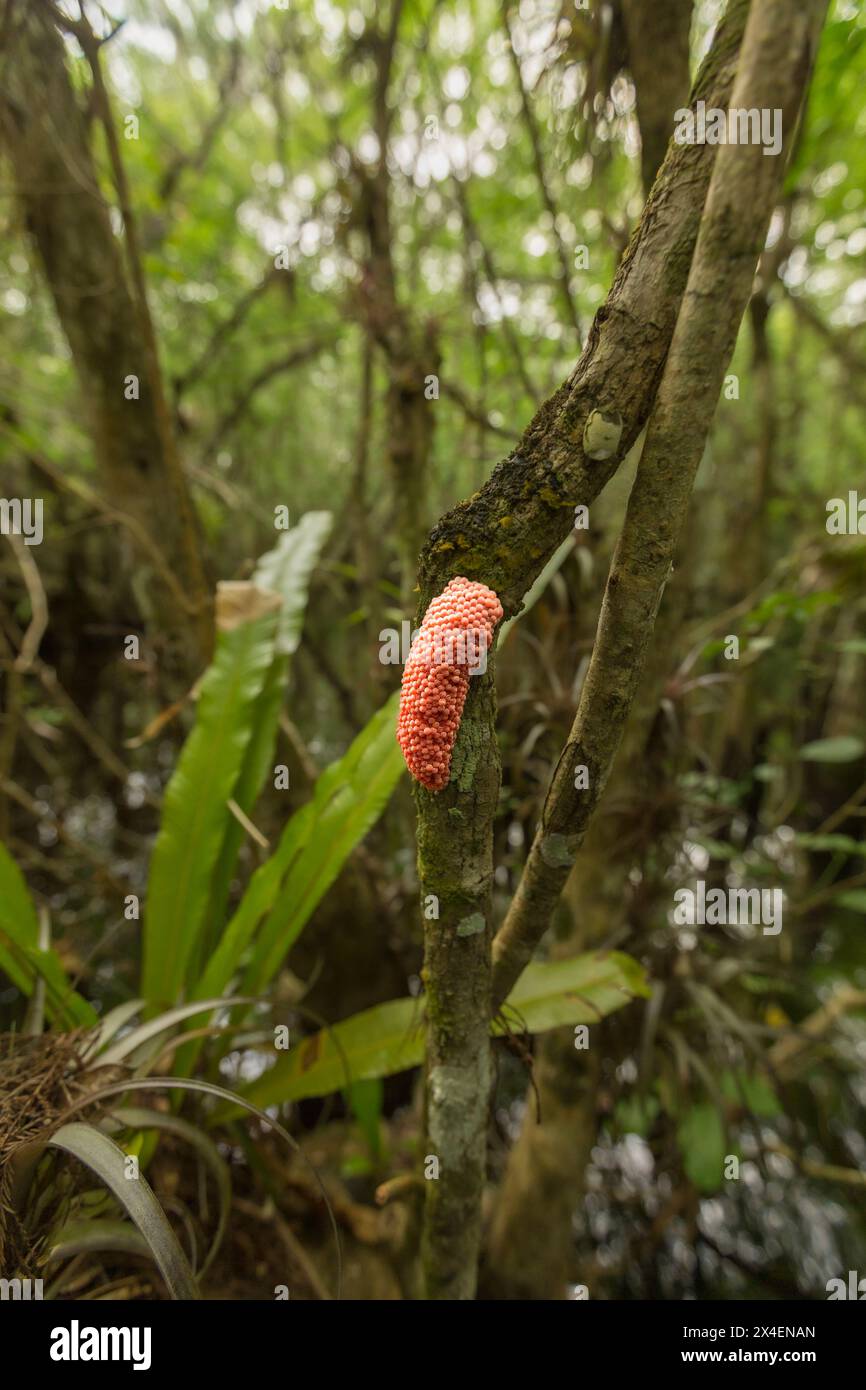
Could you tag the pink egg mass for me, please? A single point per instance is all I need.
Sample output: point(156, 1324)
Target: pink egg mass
point(454, 637)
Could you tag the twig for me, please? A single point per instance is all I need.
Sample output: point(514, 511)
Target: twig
point(791, 1048)
point(242, 819)
point(38, 605)
point(296, 1251)
point(286, 363)
point(538, 161)
point(473, 412)
point(827, 1172)
point(85, 493)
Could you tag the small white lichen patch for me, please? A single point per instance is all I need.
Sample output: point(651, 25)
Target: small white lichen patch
point(470, 926)
point(601, 434)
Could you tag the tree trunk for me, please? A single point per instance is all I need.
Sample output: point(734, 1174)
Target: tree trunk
point(657, 35)
point(109, 334)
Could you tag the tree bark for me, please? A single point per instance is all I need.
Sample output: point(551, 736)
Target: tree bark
point(536, 1258)
point(529, 1251)
point(773, 73)
point(410, 349)
point(657, 36)
point(108, 330)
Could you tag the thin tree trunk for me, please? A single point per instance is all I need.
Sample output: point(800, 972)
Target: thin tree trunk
point(104, 316)
point(505, 534)
point(657, 35)
point(529, 1253)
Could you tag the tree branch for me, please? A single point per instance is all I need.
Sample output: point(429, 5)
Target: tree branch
point(544, 187)
point(287, 363)
point(102, 308)
point(196, 159)
point(505, 534)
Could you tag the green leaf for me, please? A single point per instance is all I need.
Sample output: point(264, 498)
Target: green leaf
point(64, 1005)
point(844, 749)
point(580, 989)
point(365, 1100)
point(95, 1236)
point(145, 1033)
point(140, 1117)
point(855, 900)
point(193, 826)
point(18, 921)
point(716, 849)
point(21, 957)
point(108, 1162)
point(701, 1137)
point(258, 762)
point(116, 1019)
point(347, 799)
point(752, 1091)
point(636, 1116)
point(287, 569)
point(390, 1037)
point(207, 1088)
point(375, 1043)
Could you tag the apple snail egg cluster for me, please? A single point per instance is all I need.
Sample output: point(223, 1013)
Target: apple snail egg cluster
point(456, 633)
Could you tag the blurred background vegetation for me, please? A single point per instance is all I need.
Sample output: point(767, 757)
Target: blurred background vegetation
point(365, 338)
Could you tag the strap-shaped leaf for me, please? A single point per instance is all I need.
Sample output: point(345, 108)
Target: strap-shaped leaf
point(86, 1236)
point(108, 1162)
point(347, 799)
point(208, 1088)
point(163, 1023)
point(21, 957)
point(390, 1037)
point(346, 802)
point(195, 806)
point(140, 1117)
point(285, 570)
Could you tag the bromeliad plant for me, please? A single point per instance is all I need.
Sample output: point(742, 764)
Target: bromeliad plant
point(191, 957)
point(199, 962)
